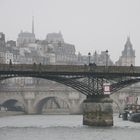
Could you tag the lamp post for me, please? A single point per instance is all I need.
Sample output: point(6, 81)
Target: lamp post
point(106, 57)
point(95, 57)
point(89, 55)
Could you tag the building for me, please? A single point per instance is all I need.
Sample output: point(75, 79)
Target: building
point(12, 54)
point(2, 55)
point(64, 52)
point(30, 56)
point(8, 57)
point(25, 38)
point(2, 39)
point(104, 59)
point(128, 55)
point(55, 38)
point(10, 43)
point(2, 48)
point(101, 59)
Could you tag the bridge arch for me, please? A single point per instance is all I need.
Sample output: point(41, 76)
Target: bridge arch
point(40, 88)
point(59, 80)
point(41, 102)
point(12, 104)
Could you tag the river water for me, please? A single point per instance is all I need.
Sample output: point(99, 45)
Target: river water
point(64, 127)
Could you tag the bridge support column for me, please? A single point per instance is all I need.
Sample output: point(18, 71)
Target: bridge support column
point(30, 108)
point(98, 111)
point(29, 98)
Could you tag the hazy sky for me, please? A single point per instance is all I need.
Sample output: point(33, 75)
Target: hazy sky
point(88, 24)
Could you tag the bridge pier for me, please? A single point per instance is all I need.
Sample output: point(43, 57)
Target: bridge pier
point(29, 99)
point(98, 111)
point(30, 109)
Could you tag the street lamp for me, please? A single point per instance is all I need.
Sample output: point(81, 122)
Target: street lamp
point(106, 57)
point(89, 54)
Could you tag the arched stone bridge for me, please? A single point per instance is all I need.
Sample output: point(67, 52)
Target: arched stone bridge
point(33, 101)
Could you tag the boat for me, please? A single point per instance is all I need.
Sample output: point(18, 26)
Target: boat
point(135, 117)
point(131, 112)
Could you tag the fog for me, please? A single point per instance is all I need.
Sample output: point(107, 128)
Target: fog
point(88, 24)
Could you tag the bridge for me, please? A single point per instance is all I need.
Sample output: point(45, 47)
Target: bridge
point(87, 79)
point(41, 100)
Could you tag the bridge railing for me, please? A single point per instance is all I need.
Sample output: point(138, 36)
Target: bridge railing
point(69, 68)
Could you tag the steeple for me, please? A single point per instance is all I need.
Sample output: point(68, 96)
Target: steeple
point(128, 55)
point(128, 42)
point(128, 49)
point(33, 25)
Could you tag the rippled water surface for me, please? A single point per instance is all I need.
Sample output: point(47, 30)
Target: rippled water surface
point(64, 127)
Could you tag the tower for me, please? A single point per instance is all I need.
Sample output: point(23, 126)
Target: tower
point(33, 25)
point(128, 55)
point(2, 39)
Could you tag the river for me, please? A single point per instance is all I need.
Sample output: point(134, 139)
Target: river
point(64, 127)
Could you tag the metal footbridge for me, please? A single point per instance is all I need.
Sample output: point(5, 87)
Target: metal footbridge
point(87, 79)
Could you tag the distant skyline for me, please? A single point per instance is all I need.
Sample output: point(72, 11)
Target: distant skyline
point(88, 24)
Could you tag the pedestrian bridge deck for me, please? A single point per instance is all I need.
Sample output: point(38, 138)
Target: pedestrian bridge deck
point(71, 69)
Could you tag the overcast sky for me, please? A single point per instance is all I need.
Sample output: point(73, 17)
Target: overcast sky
point(88, 24)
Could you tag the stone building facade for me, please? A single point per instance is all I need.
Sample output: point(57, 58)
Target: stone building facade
point(25, 38)
point(101, 59)
point(65, 53)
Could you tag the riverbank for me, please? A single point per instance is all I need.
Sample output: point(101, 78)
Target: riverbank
point(10, 113)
